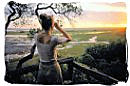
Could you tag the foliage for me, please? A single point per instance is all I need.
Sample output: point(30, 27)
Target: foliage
point(61, 8)
point(112, 52)
point(67, 8)
point(32, 32)
point(110, 59)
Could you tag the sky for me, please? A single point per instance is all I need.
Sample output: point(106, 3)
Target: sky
point(103, 13)
point(106, 13)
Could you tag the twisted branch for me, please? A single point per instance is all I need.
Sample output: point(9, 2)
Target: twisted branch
point(11, 4)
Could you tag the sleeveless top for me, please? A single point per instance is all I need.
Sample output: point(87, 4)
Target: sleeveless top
point(48, 51)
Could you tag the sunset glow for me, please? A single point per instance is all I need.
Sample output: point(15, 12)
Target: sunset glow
point(107, 13)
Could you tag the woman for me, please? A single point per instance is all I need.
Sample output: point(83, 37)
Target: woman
point(49, 69)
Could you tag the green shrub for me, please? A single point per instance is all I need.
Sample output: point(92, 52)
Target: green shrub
point(111, 52)
point(110, 59)
point(32, 32)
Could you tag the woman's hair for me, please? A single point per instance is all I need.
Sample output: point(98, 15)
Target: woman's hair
point(46, 21)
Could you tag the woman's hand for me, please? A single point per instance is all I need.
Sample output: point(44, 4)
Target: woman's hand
point(63, 32)
point(57, 25)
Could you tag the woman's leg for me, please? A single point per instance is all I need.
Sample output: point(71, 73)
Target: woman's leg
point(41, 78)
point(54, 74)
point(59, 73)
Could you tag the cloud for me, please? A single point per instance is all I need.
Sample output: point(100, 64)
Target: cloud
point(107, 1)
point(114, 5)
point(113, 17)
point(104, 6)
point(100, 19)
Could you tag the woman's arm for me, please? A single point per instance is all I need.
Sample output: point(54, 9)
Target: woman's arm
point(65, 34)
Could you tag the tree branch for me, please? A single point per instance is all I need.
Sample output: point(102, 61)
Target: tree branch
point(16, 18)
point(53, 10)
point(50, 6)
point(19, 14)
point(9, 17)
point(11, 4)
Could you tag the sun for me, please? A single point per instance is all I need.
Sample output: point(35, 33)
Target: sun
point(123, 29)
